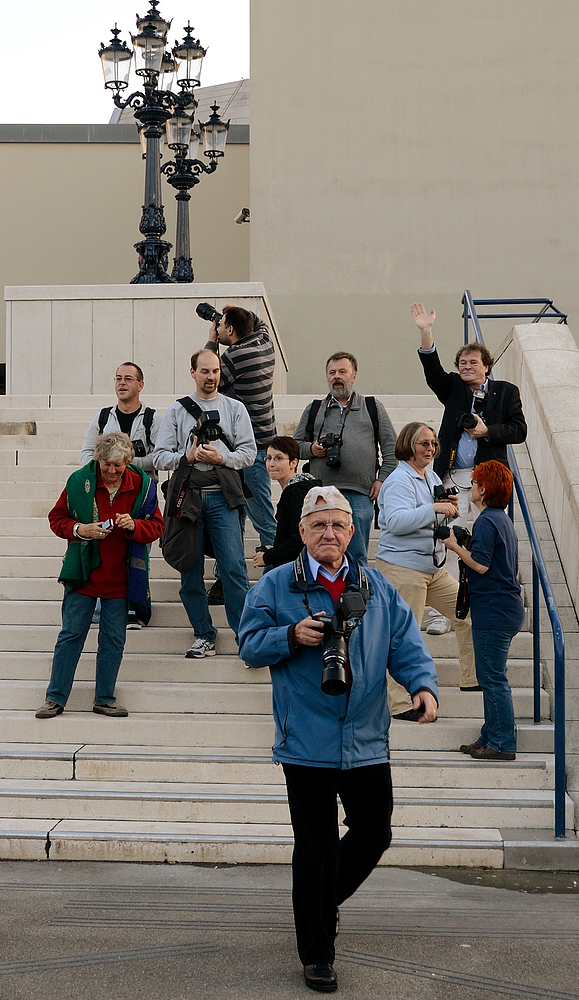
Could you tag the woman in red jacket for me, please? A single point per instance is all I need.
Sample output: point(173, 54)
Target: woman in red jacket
point(108, 512)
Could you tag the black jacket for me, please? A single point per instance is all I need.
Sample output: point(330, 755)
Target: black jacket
point(503, 413)
point(287, 543)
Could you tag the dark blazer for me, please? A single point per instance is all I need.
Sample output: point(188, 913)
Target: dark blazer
point(503, 413)
point(287, 543)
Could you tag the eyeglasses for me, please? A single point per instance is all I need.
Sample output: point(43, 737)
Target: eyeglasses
point(473, 482)
point(338, 527)
point(126, 378)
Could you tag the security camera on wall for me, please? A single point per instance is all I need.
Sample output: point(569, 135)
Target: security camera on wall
point(242, 216)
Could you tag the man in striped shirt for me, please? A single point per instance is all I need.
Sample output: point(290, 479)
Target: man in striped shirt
point(247, 366)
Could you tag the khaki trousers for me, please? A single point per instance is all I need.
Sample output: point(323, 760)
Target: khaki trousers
point(439, 590)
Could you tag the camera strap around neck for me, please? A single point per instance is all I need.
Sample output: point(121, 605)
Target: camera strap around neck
point(301, 579)
point(196, 411)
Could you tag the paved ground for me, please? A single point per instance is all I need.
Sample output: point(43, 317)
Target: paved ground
point(92, 931)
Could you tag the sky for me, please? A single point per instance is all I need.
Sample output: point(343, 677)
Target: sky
point(51, 72)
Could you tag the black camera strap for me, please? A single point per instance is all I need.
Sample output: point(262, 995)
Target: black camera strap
point(195, 410)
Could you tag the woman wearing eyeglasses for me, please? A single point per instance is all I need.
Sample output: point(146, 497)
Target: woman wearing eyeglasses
point(410, 557)
point(496, 606)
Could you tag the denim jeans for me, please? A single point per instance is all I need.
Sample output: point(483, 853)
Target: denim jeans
point(77, 611)
point(362, 515)
point(224, 529)
point(259, 506)
point(491, 648)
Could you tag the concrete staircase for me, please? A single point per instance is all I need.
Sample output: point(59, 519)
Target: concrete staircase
point(187, 776)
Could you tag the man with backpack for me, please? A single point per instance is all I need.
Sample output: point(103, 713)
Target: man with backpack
point(140, 423)
point(349, 441)
point(208, 439)
point(129, 416)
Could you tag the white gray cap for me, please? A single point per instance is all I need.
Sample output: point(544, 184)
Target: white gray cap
point(324, 498)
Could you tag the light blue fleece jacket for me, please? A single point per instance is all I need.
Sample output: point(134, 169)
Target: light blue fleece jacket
point(406, 519)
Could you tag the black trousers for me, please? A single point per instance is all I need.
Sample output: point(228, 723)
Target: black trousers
point(327, 870)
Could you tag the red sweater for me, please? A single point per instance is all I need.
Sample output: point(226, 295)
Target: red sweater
point(110, 579)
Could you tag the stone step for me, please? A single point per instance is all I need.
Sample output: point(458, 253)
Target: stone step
point(18, 665)
point(208, 698)
point(210, 802)
point(170, 764)
point(233, 730)
point(41, 567)
point(39, 457)
point(212, 843)
point(41, 638)
point(146, 668)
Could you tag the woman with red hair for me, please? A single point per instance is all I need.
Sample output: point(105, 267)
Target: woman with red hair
point(496, 607)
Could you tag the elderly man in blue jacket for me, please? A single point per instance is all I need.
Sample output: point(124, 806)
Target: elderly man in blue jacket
point(332, 744)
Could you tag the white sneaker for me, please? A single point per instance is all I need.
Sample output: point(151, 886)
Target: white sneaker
point(201, 647)
point(438, 625)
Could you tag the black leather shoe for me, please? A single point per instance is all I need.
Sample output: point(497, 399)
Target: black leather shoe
point(321, 977)
point(215, 594)
point(475, 687)
point(115, 711)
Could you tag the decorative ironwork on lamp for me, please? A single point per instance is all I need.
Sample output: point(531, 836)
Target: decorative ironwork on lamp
point(162, 113)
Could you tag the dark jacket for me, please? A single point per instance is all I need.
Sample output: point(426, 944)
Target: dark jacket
point(503, 413)
point(287, 543)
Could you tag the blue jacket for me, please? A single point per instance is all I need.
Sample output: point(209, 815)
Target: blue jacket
point(314, 728)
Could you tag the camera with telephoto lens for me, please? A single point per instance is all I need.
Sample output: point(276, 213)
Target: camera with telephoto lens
point(332, 443)
point(209, 312)
point(208, 428)
point(469, 420)
point(139, 448)
point(348, 613)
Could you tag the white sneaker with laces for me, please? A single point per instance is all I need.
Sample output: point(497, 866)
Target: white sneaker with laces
point(201, 647)
point(438, 626)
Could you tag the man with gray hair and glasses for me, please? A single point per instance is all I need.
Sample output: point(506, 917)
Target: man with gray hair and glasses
point(329, 629)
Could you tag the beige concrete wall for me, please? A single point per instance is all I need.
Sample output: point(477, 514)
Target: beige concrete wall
point(68, 340)
point(409, 150)
point(71, 210)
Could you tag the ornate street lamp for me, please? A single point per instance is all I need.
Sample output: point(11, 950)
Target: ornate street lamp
point(185, 171)
point(152, 108)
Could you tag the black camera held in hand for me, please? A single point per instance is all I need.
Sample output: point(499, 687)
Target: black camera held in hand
point(467, 421)
point(332, 443)
point(209, 313)
point(440, 492)
point(442, 530)
point(208, 428)
point(461, 534)
point(348, 613)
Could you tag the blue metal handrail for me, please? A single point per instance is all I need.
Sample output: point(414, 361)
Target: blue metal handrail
point(540, 576)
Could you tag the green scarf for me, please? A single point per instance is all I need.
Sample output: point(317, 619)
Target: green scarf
point(81, 559)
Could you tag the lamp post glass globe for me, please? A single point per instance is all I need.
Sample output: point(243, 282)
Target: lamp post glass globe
point(116, 62)
point(189, 56)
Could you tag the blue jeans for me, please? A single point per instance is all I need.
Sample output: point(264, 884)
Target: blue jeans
point(77, 611)
point(362, 516)
point(224, 529)
point(259, 506)
point(491, 648)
